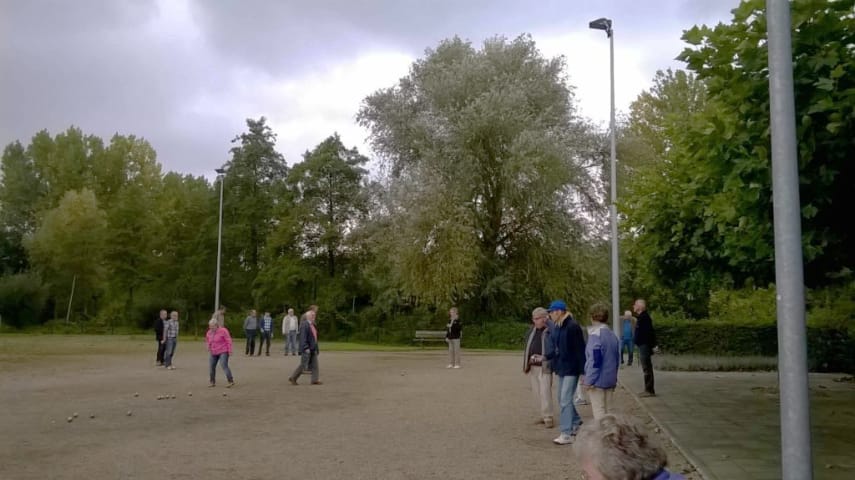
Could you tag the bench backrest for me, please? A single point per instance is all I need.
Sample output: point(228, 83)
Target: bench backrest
point(430, 334)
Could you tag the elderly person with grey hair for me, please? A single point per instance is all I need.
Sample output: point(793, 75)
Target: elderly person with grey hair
point(538, 343)
point(618, 447)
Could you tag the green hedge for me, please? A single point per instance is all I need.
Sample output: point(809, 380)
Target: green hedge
point(829, 349)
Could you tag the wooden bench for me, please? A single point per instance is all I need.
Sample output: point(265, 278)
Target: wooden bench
point(423, 336)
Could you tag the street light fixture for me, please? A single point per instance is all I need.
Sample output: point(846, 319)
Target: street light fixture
point(605, 24)
point(220, 177)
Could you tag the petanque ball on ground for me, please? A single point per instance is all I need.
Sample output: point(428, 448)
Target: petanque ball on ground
point(69, 419)
point(129, 413)
point(136, 394)
point(92, 415)
point(74, 414)
point(225, 394)
point(189, 394)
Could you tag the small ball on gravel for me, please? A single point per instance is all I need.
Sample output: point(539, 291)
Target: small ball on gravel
point(92, 415)
point(74, 414)
point(136, 394)
point(69, 419)
point(129, 413)
point(225, 394)
point(189, 394)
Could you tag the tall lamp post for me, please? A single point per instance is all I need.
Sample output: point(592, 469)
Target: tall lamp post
point(220, 177)
point(605, 24)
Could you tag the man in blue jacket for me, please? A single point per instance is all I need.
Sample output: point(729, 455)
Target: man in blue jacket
point(602, 359)
point(567, 360)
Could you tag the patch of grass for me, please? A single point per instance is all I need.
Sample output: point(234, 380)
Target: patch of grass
point(709, 363)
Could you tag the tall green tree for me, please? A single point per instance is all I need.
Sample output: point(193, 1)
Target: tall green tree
point(68, 248)
point(329, 198)
point(255, 173)
point(705, 218)
point(20, 191)
point(486, 181)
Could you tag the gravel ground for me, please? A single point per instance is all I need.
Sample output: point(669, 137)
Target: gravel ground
point(377, 416)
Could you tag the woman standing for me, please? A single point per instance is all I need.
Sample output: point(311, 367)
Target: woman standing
point(452, 336)
point(220, 345)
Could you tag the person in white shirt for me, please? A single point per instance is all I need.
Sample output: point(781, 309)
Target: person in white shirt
point(289, 332)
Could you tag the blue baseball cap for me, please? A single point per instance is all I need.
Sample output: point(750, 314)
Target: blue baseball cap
point(557, 305)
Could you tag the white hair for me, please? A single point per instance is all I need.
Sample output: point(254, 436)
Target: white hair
point(213, 322)
point(620, 448)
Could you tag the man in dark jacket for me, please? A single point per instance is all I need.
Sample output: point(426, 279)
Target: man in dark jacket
point(567, 360)
point(308, 339)
point(158, 335)
point(645, 339)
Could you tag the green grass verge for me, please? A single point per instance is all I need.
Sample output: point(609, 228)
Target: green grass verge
point(708, 363)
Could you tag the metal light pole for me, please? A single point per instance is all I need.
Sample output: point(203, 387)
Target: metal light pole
point(606, 25)
point(221, 178)
point(796, 461)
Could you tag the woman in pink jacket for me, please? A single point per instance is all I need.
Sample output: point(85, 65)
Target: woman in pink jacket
point(220, 346)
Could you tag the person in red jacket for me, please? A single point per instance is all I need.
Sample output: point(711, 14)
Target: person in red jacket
point(220, 346)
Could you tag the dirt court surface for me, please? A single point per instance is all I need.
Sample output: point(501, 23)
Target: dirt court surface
point(378, 415)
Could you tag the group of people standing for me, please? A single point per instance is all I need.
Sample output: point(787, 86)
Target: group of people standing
point(301, 335)
point(166, 335)
point(557, 344)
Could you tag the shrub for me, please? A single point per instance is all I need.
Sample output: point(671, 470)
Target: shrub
point(22, 299)
point(829, 349)
point(748, 305)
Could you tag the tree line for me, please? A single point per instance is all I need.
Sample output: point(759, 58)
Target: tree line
point(487, 192)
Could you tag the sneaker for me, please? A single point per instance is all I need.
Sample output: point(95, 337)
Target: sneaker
point(318, 383)
point(563, 439)
point(292, 381)
point(457, 366)
point(646, 394)
point(231, 384)
point(171, 367)
point(212, 385)
point(548, 422)
point(581, 401)
point(449, 366)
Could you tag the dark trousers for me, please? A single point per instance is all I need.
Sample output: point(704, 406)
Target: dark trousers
point(160, 349)
point(645, 352)
point(250, 341)
point(265, 337)
point(308, 361)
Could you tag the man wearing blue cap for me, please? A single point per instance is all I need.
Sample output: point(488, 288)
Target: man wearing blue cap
point(567, 360)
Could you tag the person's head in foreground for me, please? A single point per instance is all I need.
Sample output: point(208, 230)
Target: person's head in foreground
point(618, 447)
point(213, 324)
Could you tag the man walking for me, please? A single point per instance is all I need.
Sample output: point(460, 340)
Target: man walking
point(536, 367)
point(645, 340)
point(308, 350)
point(158, 335)
point(627, 329)
point(266, 333)
point(289, 332)
point(567, 360)
point(250, 328)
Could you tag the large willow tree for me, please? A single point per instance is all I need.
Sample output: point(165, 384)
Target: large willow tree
point(491, 179)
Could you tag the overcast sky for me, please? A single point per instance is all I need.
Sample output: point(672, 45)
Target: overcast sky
point(185, 74)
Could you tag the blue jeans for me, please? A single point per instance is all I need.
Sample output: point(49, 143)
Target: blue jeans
point(225, 363)
point(628, 344)
point(169, 352)
point(568, 418)
point(291, 342)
